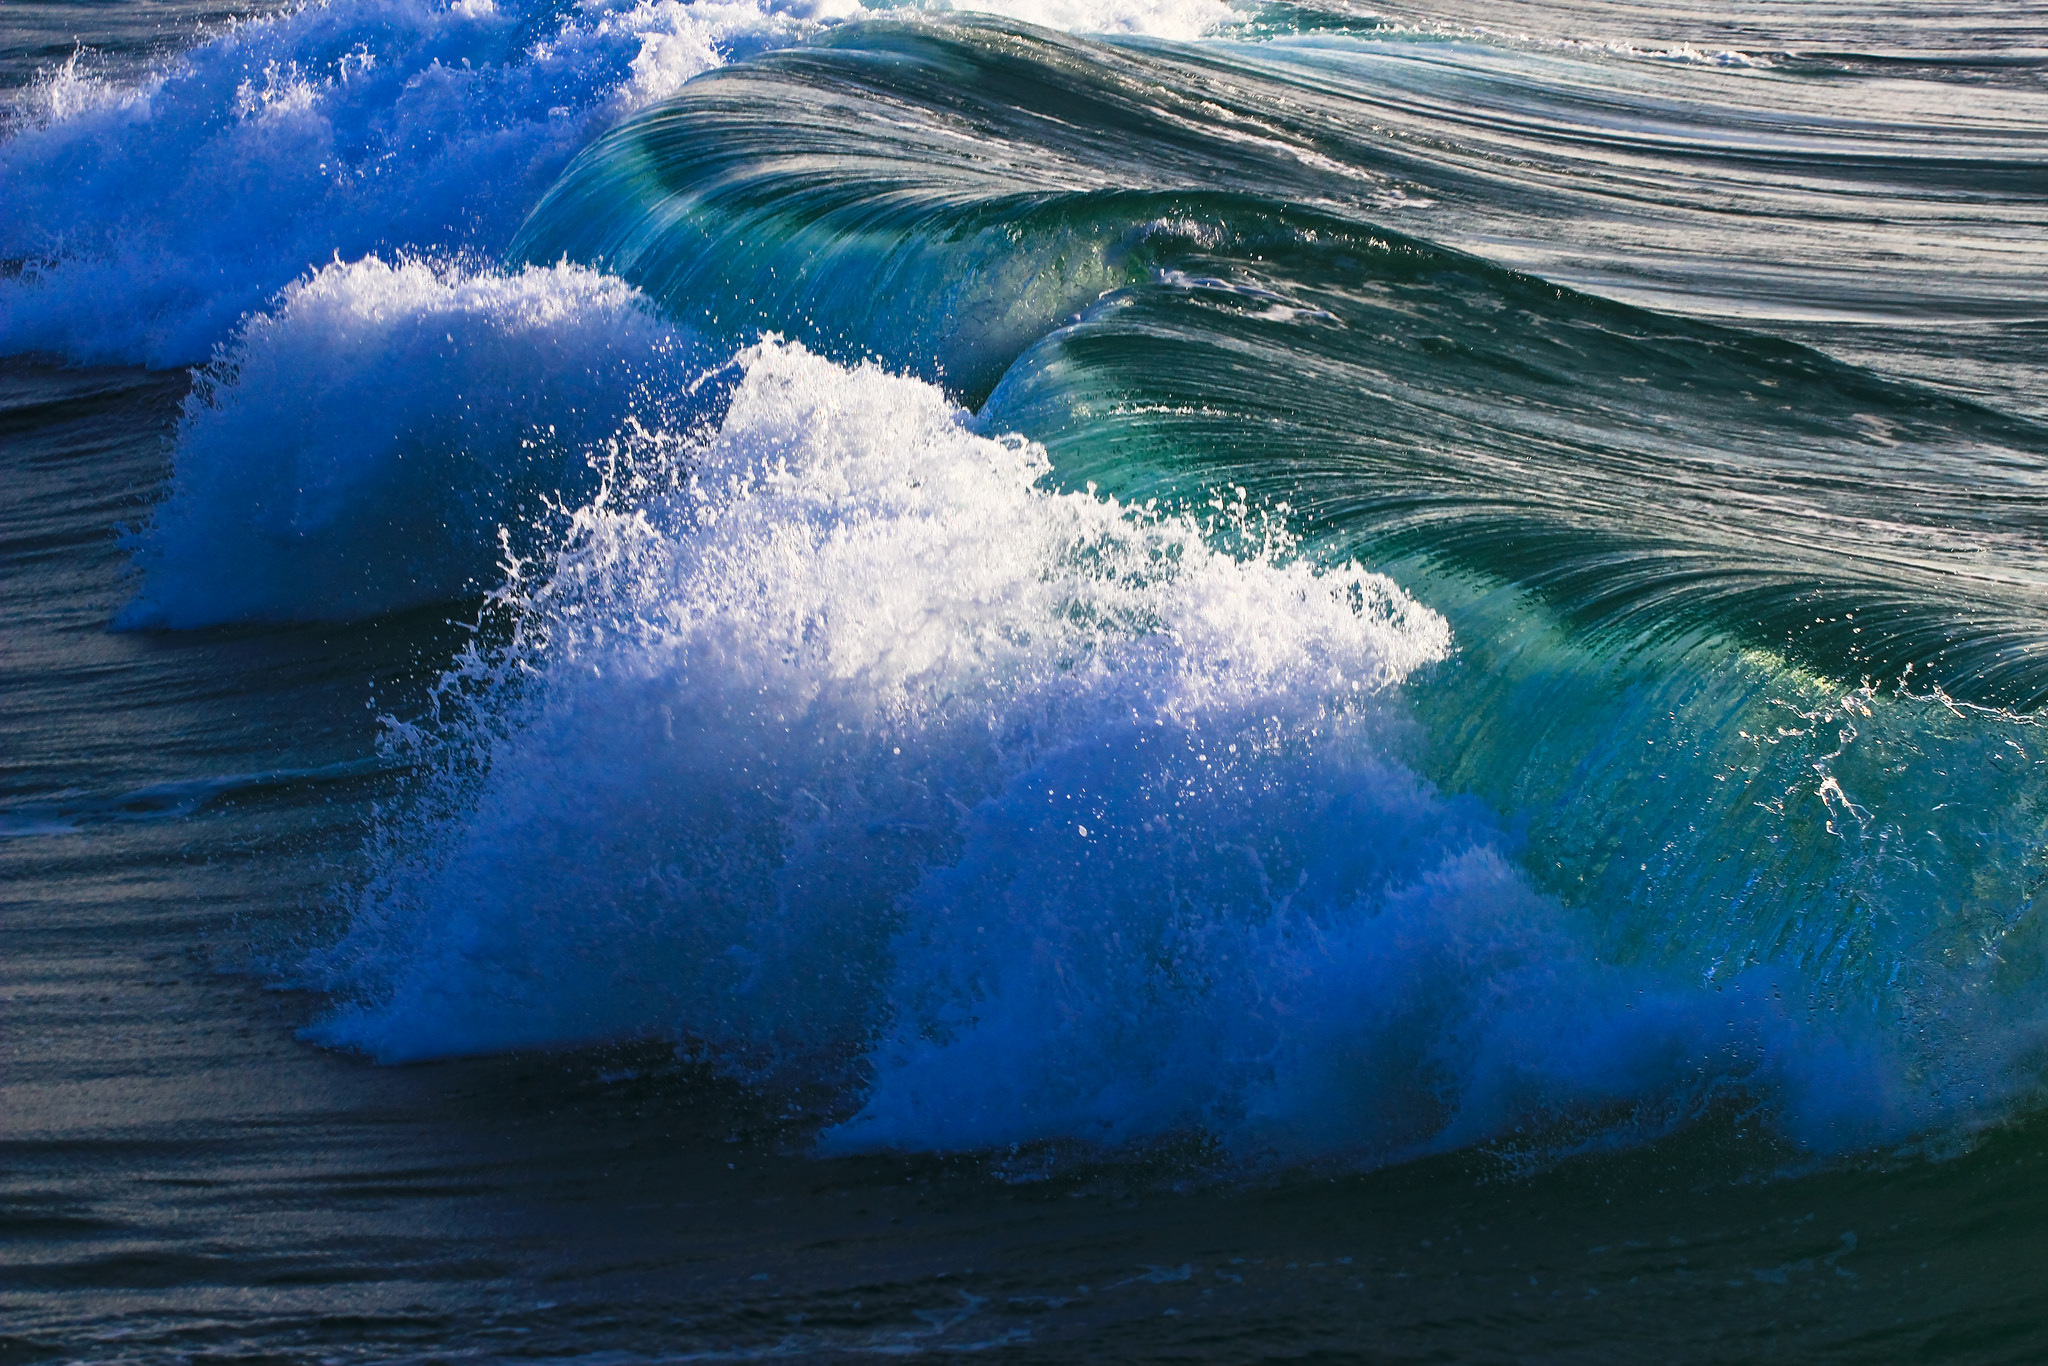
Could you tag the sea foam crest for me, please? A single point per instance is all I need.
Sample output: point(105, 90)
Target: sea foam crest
point(865, 760)
point(359, 448)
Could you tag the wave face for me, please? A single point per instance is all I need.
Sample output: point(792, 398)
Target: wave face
point(1811, 198)
point(1290, 576)
point(970, 174)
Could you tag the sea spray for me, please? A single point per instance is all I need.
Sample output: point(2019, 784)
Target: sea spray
point(766, 704)
point(147, 218)
point(851, 756)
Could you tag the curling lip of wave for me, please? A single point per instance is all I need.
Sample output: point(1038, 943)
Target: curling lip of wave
point(972, 204)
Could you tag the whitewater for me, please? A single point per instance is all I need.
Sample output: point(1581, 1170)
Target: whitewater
point(637, 630)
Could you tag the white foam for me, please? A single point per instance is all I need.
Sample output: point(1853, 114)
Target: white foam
point(866, 762)
point(358, 449)
point(768, 705)
point(153, 216)
point(150, 217)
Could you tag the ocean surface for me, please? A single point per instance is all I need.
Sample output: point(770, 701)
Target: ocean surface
point(1126, 680)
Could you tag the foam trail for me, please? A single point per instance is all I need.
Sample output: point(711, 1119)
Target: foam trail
point(867, 762)
point(353, 451)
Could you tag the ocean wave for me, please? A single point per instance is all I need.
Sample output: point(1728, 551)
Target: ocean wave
point(1676, 753)
point(1143, 276)
point(865, 764)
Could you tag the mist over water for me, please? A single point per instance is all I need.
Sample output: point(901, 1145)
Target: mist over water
point(1224, 596)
